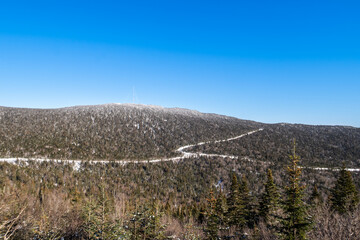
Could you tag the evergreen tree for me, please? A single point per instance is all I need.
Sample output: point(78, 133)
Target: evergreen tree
point(154, 228)
point(212, 228)
point(145, 223)
point(344, 196)
point(315, 197)
point(221, 209)
point(269, 202)
point(247, 201)
point(297, 221)
point(202, 214)
point(234, 192)
point(244, 192)
point(97, 221)
point(235, 204)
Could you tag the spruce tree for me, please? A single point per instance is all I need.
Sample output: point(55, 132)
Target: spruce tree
point(221, 209)
point(212, 221)
point(344, 196)
point(154, 229)
point(235, 205)
point(97, 220)
point(234, 192)
point(297, 221)
point(269, 202)
point(145, 223)
point(244, 191)
point(315, 197)
point(247, 202)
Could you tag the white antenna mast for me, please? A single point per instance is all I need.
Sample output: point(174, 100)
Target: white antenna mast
point(133, 99)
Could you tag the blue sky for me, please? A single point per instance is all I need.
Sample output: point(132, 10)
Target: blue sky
point(269, 61)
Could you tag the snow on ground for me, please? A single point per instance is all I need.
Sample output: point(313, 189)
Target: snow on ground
point(184, 155)
point(181, 149)
point(333, 169)
point(76, 163)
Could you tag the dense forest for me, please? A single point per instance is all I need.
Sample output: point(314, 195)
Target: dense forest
point(140, 132)
point(110, 131)
point(265, 192)
point(193, 199)
point(325, 146)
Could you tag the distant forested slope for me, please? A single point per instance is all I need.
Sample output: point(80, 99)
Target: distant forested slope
point(130, 131)
point(111, 131)
point(317, 145)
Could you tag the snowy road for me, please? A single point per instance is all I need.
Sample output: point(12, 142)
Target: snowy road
point(197, 154)
point(181, 150)
point(184, 155)
point(332, 169)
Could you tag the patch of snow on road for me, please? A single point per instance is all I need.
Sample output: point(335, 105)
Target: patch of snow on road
point(184, 155)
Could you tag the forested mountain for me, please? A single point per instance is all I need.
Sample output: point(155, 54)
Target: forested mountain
point(326, 146)
point(222, 197)
point(132, 131)
point(111, 131)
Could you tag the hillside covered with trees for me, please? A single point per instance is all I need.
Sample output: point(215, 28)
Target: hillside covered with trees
point(193, 199)
point(140, 132)
point(326, 146)
point(111, 131)
point(265, 192)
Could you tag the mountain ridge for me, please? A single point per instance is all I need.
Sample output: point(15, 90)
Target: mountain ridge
point(135, 131)
point(179, 109)
point(138, 131)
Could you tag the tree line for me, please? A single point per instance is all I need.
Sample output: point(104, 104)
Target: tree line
point(194, 199)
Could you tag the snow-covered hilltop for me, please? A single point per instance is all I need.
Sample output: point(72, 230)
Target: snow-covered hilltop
point(110, 131)
point(133, 132)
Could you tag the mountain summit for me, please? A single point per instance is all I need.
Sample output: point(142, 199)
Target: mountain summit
point(109, 131)
point(140, 132)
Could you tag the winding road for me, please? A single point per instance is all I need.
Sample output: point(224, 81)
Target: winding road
point(182, 150)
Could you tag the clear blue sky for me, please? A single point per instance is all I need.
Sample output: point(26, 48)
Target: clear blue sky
point(269, 61)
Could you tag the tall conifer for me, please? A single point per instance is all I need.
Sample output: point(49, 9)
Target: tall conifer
point(235, 205)
point(344, 196)
point(315, 197)
point(247, 201)
point(221, 209)
point(212, 227)
point(269, 202)
point(297, 221)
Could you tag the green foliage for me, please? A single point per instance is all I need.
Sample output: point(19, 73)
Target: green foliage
point(344, 196)
point(236, 205)
point(145, 223)
point(221, 209)
point(212, 219)
point(109, 131)
point(297, 222)
point(113, 201)
point(191, 232)
point(97, 221)
point(269, 203)
point(322, 146)
point(315, 197)
point(248, 202)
